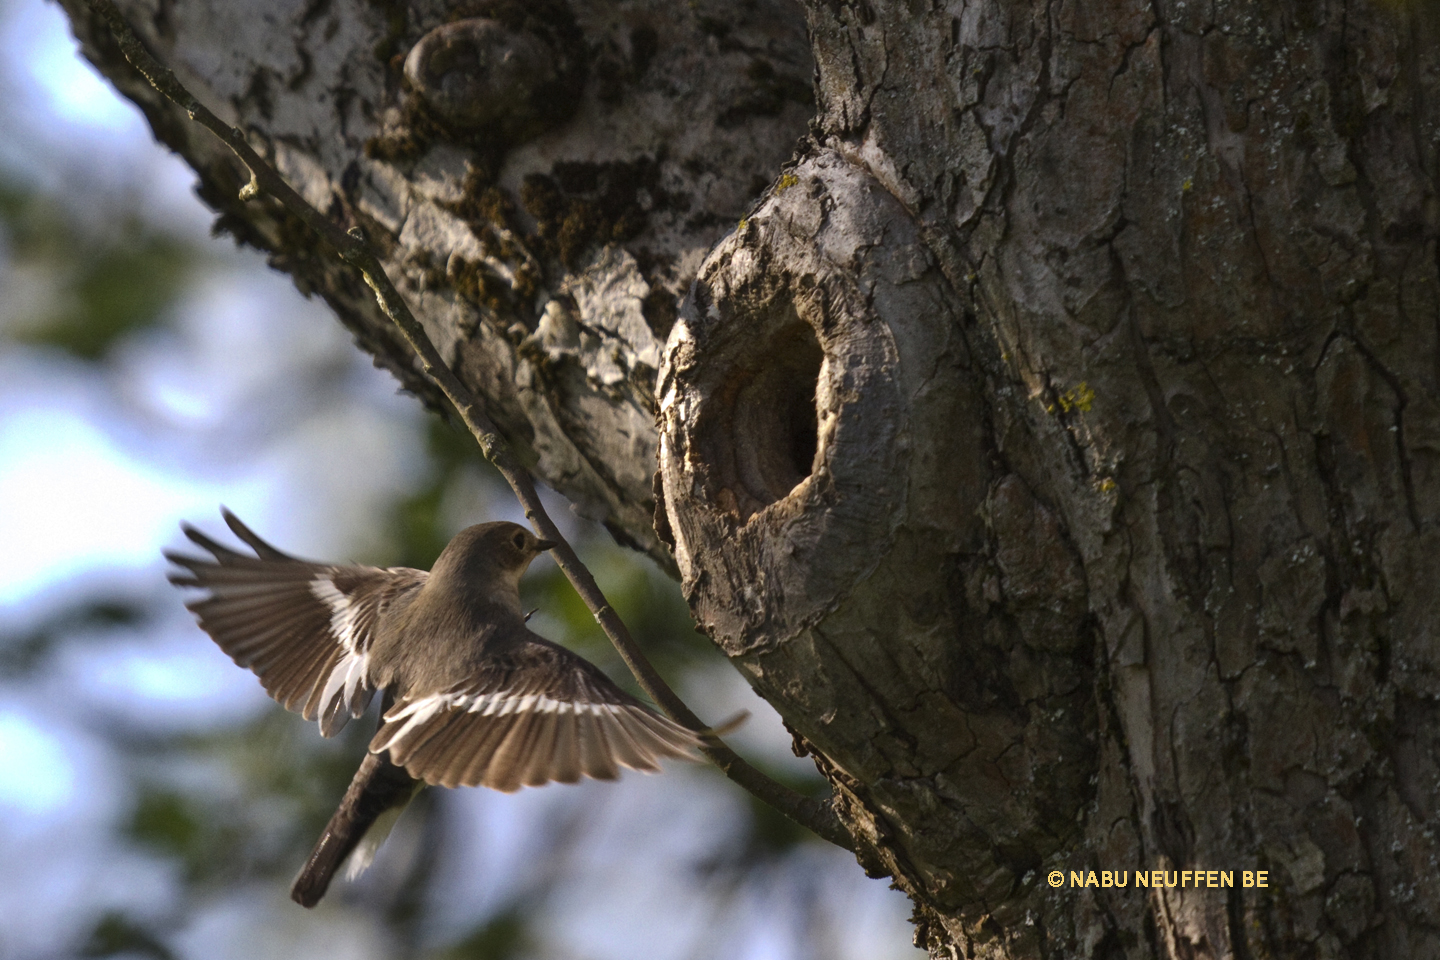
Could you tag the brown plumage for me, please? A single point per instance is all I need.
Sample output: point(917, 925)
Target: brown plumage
point(472, 696)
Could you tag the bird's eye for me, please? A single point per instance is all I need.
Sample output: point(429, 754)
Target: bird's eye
point(519, 541)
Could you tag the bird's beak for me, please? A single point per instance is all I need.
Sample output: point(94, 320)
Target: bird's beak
point(546, 544)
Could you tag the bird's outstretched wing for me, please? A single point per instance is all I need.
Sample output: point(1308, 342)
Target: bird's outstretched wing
point(304, 628)
point(531, 715)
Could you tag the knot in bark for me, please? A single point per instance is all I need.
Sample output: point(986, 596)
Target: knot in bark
point(480, 74)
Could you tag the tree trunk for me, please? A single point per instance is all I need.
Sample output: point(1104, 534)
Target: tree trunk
point(1054, 443)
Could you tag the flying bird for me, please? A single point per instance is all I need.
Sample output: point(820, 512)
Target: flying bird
point(471, 696)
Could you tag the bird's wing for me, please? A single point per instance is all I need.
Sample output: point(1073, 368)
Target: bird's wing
point(534, 714)
point(305, 629)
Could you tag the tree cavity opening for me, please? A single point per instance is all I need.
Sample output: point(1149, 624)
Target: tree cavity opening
point(760, 436)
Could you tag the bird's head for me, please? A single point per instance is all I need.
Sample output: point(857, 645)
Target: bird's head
point(490, 558)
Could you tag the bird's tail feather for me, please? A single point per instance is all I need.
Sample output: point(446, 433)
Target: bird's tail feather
point(364, 853)
point(725, 726)
point(368, 810)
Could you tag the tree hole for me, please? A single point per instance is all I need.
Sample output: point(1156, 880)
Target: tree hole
point(762, 437)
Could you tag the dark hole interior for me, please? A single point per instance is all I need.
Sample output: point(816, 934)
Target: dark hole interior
point(772, 420)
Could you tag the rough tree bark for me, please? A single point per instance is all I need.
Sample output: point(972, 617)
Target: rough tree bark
point(1050, 432)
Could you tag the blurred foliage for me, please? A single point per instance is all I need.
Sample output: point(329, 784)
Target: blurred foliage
point(101, 281)
point(166, 821)
point(267, 790)
point(116, 933)
point(500, 937)
point(418, 520)
point(23, 653)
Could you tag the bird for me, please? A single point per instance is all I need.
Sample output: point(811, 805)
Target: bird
point(470, 695)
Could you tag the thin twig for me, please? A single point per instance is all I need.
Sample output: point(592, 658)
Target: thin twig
point(818, 816)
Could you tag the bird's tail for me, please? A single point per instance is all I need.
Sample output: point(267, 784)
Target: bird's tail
point(368, 810)
point(725, 726)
